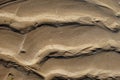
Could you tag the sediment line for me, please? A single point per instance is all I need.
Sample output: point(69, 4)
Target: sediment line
point(31, 28)
point(92, 52)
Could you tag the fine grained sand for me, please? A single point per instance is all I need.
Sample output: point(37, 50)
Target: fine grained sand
point(59, 39)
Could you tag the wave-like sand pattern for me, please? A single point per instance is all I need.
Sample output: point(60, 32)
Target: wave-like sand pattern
point(51, 39)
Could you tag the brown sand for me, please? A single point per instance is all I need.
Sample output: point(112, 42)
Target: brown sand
point(44, 39)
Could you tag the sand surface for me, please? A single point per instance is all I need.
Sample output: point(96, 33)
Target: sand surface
point(59, 39)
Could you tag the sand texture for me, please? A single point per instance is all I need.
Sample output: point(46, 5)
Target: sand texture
point(59, 40)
